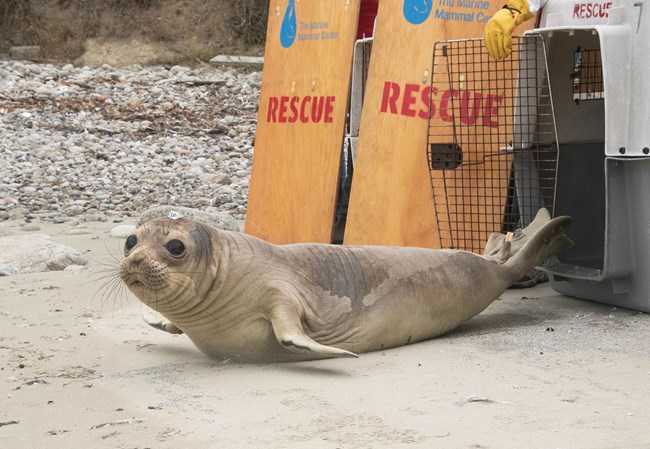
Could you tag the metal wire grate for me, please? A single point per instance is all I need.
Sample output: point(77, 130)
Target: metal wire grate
point(587, 75)
point(492, 143)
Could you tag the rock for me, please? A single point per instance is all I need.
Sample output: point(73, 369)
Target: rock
point(75, 268)
point(94, 217)
point(133, 102)
point(74, 211)
point(30, 227)
point(178, 70)
point(35, 253)
point(19, 212)
point(122, 231)
point(25, 52)
point(219, 220)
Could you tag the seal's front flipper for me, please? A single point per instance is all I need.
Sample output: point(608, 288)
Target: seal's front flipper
point(163, 325)
point(289, 333)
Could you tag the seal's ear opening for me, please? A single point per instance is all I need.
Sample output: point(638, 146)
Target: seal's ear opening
point(200, 238)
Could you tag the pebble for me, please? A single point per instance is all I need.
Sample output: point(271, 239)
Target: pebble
point(30, 227)
point(115, 141)
point(75, 268)
point(122, 231)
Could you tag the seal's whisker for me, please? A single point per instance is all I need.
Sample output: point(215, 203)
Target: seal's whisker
point(101, 275)
point(107, 268)
point(116, 289)
point(106, 279)
point(173, 224)
point(123, 294)
point(120, 250)
point(112, 287)
point(107, 263)
point(110, 295)
point(170, 225)
point(111, 259)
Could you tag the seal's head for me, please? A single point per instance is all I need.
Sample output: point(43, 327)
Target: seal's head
point(169, 263)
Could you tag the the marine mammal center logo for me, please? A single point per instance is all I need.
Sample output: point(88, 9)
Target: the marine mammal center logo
point(288, 30)
point(417, 11)
point(309, 29)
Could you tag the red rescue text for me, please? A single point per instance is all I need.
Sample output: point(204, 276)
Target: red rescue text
point(308, 109)
point(413, 100)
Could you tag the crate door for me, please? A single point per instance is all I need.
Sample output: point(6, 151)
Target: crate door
point(492, 143)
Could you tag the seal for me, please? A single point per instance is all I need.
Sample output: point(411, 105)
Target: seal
point(519, 237)
point(238, 297)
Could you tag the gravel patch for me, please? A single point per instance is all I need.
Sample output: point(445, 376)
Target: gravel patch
point(80, 141)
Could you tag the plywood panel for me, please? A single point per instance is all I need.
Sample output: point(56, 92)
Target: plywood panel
point(305, 82)
point(391, 202)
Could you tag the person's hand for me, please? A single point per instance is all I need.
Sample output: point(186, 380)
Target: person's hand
point(498, 30)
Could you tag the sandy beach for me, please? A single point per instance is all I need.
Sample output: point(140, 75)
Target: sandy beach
point(80, 368)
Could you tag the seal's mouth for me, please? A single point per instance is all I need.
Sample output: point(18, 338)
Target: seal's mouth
point(132, 280)
point(142, 274)
point(140, 283)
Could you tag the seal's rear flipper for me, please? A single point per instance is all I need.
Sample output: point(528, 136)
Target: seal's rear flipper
point(289, 333)
point(547, 240)
point(163, 325)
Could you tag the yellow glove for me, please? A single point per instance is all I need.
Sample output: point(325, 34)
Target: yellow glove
point(498, 30)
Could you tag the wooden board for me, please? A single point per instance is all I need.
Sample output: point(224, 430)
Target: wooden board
point(301, 119)
point(391, 201)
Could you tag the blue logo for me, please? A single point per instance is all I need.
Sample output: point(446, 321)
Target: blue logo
point(288, 29)
point(417, 11)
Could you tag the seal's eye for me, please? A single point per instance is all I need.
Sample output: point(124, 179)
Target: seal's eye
point(175, 247)
point(131, 241)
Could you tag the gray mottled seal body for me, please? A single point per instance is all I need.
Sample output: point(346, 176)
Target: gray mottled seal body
point(236, 296)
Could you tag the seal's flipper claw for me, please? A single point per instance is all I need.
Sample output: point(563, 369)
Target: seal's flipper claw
point(289, 333)
point(306, 345)
point(163, 325)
